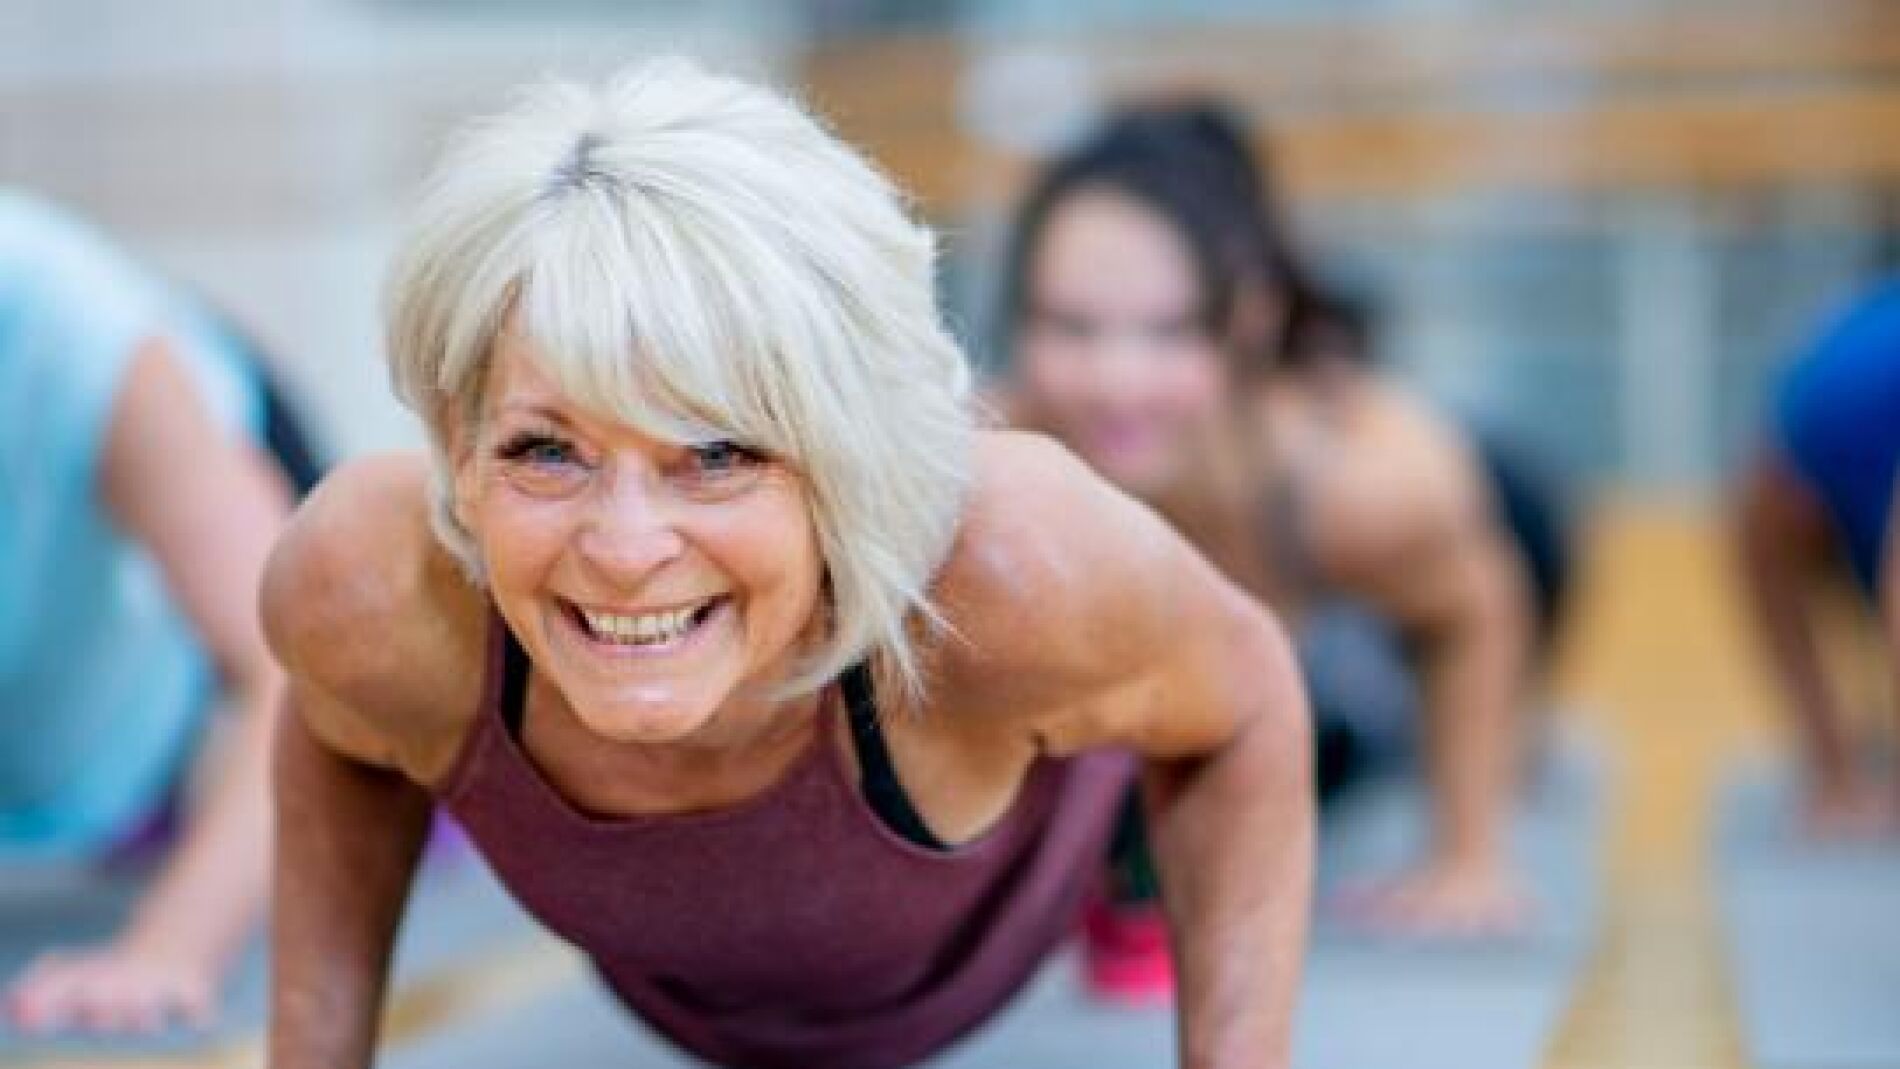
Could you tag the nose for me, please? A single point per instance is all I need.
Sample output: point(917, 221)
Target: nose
point(1120, 371)
point(630, 532)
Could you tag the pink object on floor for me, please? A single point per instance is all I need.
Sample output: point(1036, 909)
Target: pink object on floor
point(1125, 956)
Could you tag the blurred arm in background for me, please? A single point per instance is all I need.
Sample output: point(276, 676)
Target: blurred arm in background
point(1400, 518)
point(207, 506)
point(1784, 538)
point(1890, 600)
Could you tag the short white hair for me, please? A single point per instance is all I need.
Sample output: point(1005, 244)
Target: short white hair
point(693, 254)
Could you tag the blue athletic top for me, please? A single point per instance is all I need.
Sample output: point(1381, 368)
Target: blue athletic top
point(102, 684)
point(1837, 415)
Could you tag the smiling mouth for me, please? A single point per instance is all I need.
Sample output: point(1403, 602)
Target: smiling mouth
point(647, 630)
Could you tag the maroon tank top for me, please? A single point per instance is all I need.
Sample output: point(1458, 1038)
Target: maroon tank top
point(794, 930)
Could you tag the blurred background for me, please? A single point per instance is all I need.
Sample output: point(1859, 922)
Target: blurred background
point(1606, 224)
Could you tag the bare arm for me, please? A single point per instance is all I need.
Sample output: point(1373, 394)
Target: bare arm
point(1108, 629)
point(1233, 838)
point(1890, 590)
point(206, 507)
point(1468, 612)
point(349, 836)
point(1407, 527)
point(1780, 533)
point(382, 677)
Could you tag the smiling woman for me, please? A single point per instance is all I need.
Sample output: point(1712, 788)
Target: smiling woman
point(631, 568)
point(756, 671)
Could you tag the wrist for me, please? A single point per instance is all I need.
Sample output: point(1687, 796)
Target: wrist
point(179, 949)
point(1476, 854)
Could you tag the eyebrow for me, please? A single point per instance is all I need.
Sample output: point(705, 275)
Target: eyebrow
point(535, 408)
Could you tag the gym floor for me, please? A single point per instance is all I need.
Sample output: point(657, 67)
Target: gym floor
point(1658, 668)
point(1661, 665)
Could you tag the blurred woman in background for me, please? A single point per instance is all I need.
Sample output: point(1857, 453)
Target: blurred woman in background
point(1817, 502)
point(145, 472)
point(1163, 327)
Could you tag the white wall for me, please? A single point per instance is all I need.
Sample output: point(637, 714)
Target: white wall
point(262, 150)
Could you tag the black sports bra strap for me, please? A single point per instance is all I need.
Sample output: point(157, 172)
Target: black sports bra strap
point(877, 776)
point(514, 683)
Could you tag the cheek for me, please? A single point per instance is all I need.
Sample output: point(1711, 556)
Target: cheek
point(520, 539)
point(1055, 375)
point(772, 554)
point(1193, 385)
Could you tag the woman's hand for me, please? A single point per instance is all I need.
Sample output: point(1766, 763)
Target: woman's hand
point(1858, 807)
point(1442, 898)
point(118, 987)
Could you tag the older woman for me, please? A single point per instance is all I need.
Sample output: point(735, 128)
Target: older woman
point(1164, 328)
point(797, 703)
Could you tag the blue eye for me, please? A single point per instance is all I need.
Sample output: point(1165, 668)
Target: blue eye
point(722, 457)
point(538, 449)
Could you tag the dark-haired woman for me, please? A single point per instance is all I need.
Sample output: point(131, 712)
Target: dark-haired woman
point(1164, 328)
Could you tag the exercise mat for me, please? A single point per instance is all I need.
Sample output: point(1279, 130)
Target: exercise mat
point(1813, 933)
point(456, 914)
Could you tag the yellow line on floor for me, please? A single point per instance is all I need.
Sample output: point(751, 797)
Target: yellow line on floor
point(1664, 668)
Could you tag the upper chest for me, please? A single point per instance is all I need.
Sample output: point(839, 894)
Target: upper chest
point(961, 779)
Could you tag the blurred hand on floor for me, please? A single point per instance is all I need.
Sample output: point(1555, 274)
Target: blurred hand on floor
point(111, 990)
point(1440, 899)
point(1859, 808)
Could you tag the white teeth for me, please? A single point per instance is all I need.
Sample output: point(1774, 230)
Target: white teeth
point(645, 629)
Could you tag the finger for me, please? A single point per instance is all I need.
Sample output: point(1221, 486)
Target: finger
point(1359, 900)
point(138, 1013)
point(100, 1011)
point(119, 998)
point(42, 1002)
point(197, 1006)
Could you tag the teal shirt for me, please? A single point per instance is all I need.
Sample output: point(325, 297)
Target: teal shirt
point(102, 683)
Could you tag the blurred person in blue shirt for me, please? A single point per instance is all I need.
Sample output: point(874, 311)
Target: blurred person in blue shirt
point(1817, 498)
point(138, 499)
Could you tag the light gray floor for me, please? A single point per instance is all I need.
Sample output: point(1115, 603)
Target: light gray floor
point(1367, 1004)
point(458, 915)
point(1814, 934)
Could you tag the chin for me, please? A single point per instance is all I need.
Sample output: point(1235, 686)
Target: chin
point(643, 724)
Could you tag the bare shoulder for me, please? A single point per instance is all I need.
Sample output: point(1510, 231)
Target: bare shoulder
point(1400, 480)
point(372, 618)
point(1077, 614)
point(1048, 564)
point(1028, 502)
point(1035, 525)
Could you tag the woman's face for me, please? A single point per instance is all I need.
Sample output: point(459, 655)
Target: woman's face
point(650, 582)
point(1113, 353)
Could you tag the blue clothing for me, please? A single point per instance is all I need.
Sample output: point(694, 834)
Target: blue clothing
point(1837, 417)
point(102, 683)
